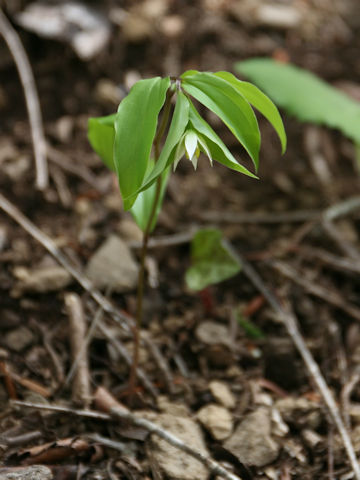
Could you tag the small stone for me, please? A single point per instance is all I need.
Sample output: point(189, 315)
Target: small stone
point(212, 333)
point(113, 266)
point(300, 412)
point(172, 26)
point(174, 463)
point(34, 472)
point(222, 394)
point(108, 93)
point(278, 16)
point(19, 338)
point(251, 442)
point(63, 128)
point(42, 280)
point(176, 409)
point(217, 420)
point(130, 231)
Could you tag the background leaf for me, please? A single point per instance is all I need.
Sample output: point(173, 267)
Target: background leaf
point(135, 128)
point(260, 101)
point(229, 105)
point(304, 95)
point(212, 262)
point(101, 134)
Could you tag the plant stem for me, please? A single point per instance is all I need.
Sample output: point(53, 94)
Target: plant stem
point(140, 290)
point(141, 278)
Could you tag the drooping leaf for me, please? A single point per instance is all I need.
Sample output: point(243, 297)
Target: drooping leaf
point(260, 101)
point(101, 134)
point(216, 146)
point(211, 261)
point(177, 127)
point(304, 95)
point(135, 128)
point(224, 100)
point(141, 210)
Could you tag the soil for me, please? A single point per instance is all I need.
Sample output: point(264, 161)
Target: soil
point(310, 267)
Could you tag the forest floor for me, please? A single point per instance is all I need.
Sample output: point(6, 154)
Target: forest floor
point(221, 368)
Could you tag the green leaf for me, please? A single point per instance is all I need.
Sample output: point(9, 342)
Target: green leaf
point(212, 262)
point(135, 128)
point(259, 101)
point(224, 100)
point(141, 210)
point(216, 146)
point(304, 95)
point(101, 135)
point(178, 124)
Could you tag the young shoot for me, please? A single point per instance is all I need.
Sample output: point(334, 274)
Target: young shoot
point(157, 124)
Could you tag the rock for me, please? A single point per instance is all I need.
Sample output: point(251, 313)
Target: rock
point(278, 16)
point(64, 128)
point(129, 231)
point(217, 420)
point(19, 338)
point(300, 412)
point(113, 266)
point(41, 280)
point(34, 472)
point(108, 93)
point(222, 394)
point(175, 409)
point(251, 442)
point(174, 463)
point(86, 29)
point(212, 333)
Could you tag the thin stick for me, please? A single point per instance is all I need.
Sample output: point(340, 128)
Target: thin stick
point(81, 382)
point(123, 320)
point(291, 325)
point(297, 216)
point(330, 296)
point(68, 165)
point(84, 345)
point(31, 97)
point(121, 413)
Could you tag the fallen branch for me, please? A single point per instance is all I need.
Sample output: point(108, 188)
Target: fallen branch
point(31, 97)
point(119, 412)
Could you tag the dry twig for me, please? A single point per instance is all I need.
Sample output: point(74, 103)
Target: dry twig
point(330, 296)
point(31, 97)
point(81, 382)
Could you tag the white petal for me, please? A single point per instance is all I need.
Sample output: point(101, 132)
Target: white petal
point(191, 141)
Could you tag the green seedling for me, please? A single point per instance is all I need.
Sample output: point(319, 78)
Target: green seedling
point(157, 124)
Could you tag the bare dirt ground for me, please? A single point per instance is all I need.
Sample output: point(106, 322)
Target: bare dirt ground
point(221, 370)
